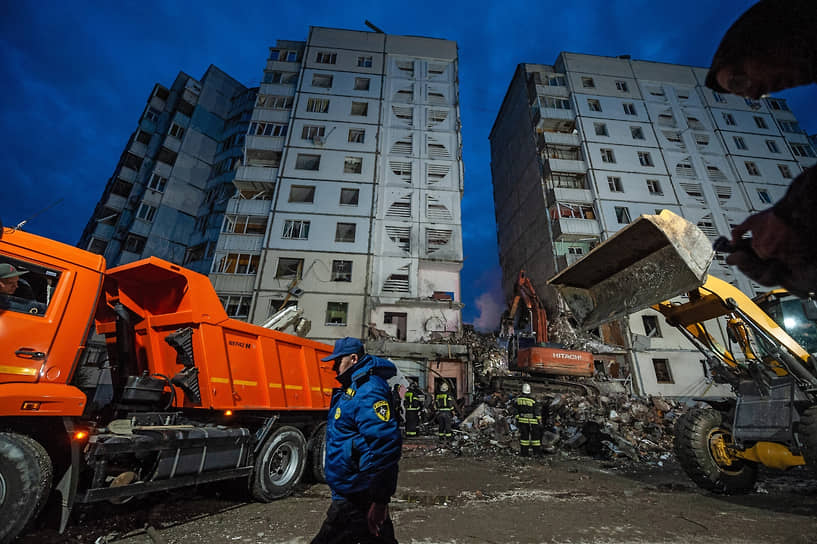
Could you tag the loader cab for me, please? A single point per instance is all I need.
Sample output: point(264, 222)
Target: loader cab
point(798, 317)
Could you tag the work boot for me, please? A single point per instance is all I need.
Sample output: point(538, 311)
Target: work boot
point(525, 451)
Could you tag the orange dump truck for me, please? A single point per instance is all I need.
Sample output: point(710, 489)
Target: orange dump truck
point(117, 383)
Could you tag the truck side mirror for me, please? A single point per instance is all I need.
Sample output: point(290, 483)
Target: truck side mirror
point(810, 308)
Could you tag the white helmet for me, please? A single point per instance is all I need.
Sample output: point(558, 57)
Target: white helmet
point(444, 387)
point(526, 389)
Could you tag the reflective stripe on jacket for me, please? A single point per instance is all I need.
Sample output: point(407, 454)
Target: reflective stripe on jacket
point(443, 402)
point(526, 411)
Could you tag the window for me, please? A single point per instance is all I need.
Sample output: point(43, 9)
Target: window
point(356, 135)
point(362, 83)
point(146, 212)
point(134, 243)
point(268, 129)
point(353, 165)
point(662, 371)
point(718, 97)
point(274, 102)
point(324, 57)
point(245, 224)
point(752, 103)
point(364, 62)
point(645, 158)
point(349, 197)
point(777, 104)
point(588, 83)
point(307, 162)
point(360, 108)
point(760, 122)
point(317, 105)
point(166, 156)
point(236, 263)
point(615, 184)
point(629, 109)
point(607, 155)
point(337, 313)
point(278, 77)
point(763, 196)
point(790, 126)
point(152, 114)
point(601, 129)
point(785, 171)
point(621, 86)
point(345, 232)
point(176, 131)
point(651, 327)
point(637, 133)
point(309, 132)
point(802, 150)
point(622, 215)
point(752, 168)
point(295, 229)
point(728, 119)
point(236, 306)
point(556, 103)
point(289, 268)
point(322, 80)
point(156, 183)
point(739, 143)
point(97, 246)
point(593, 104)
point(143, 137)
point(341, 271)
point(121, 187)
point(556, 81)
point(302, 193)
point(772, 145)
point(654, 187)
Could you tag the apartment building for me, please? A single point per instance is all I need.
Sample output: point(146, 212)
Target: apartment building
point(335, 185)
point(582, 147)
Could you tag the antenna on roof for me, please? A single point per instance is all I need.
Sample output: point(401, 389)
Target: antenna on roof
point(373, 27)
point(24, 221)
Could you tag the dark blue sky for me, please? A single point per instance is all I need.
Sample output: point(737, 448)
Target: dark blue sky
point(76, 75)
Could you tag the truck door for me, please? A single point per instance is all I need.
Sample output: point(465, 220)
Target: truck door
point(32, 299)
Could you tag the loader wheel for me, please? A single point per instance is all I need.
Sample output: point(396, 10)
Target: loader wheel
point(807, 429)
point(696, 434)
point(279, 465)
point(317, 454)
point(25, 482)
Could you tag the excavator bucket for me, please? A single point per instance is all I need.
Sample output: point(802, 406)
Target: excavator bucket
point(653, 259)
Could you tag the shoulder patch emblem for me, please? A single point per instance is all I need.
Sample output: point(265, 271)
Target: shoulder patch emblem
point(350, 392)
point(337, 412)
point(382, 410)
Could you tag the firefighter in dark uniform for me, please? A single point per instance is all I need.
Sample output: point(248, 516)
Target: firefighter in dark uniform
point(529, 421)
point(444, 404)
point(413, 403)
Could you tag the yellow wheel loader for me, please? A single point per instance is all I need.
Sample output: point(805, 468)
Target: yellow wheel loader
point(662, 261)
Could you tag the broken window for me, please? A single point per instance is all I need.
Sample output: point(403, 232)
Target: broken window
point(556, 103)
point(662, 371)
point(236, 263)
point(309, 132)
point(588, 83)
point(399, 320)
point(345, 232)
point(317, 105)
point(245, 224)
point(302, 193)
point(263, 157)
point(326, 57)
point(322, 80)
point(295, 229)
point(157, 183)
point(600, 129)
point(307, 162)
point(362, 83)
point(607, 155)
point(572, 211)
point(654, 187)
point(593, 104)
point(341, 271)
point(651, 326)
point(356, 135)
point(353, 165)
point(622, 215)
point(289, 268)
point(637, 133)
point(121, 187)
point(337, 313)
point(615, 184)
point(236, 306)
point(360, 108)
point(349, 197)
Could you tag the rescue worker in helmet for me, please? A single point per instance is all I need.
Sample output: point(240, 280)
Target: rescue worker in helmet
point(529, 421)
point(413, 403)
point(444, 403)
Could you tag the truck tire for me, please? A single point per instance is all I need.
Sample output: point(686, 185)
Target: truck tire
point(25, 482)
point(279, 465)
point(317, 454)
point(807, 429)
point(694, 432)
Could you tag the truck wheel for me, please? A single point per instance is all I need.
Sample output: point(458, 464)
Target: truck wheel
point(807, 429)
point(279, 465)
point(25, 482)
point(695, 433)
point(317, 453)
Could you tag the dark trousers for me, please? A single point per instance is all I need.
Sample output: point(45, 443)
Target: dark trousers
point(444, 421)
point(412, 420)
point(346, 523)
point(530, 436)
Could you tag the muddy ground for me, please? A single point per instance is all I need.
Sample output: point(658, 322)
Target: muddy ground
point(494, 497)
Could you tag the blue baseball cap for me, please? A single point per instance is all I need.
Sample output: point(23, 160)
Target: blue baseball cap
point(345, 346)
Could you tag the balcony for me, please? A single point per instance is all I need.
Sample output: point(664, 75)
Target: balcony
point(552, 119)
point(568, 228)
point(116, 202)
point(127, 174)
point(563, 261)
point(244, 206)
point(563, 166)
point(271, 143)
point(233, 283)
point(553, 90)
point(262, 174)
point(104, 231)
point(558, 138)
point(569, 195)
point(240, 242)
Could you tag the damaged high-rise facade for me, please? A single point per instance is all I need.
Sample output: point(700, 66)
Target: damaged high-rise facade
point(582, 147)
point(334, 185)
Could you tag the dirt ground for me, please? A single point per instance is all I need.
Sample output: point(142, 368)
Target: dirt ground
point(492, 498)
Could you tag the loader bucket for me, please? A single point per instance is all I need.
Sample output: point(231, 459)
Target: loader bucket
point(653, 259)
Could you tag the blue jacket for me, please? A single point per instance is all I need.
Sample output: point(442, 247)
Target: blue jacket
point(363, 441)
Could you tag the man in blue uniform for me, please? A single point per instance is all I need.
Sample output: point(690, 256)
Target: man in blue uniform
point(363, 446)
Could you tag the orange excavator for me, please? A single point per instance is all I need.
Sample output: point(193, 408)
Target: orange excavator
point(524, 333)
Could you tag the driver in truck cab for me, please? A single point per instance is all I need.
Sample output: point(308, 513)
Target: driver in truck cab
point(363, 446)
point(15, 292)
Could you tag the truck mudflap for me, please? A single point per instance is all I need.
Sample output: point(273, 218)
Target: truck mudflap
point(653, 259)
